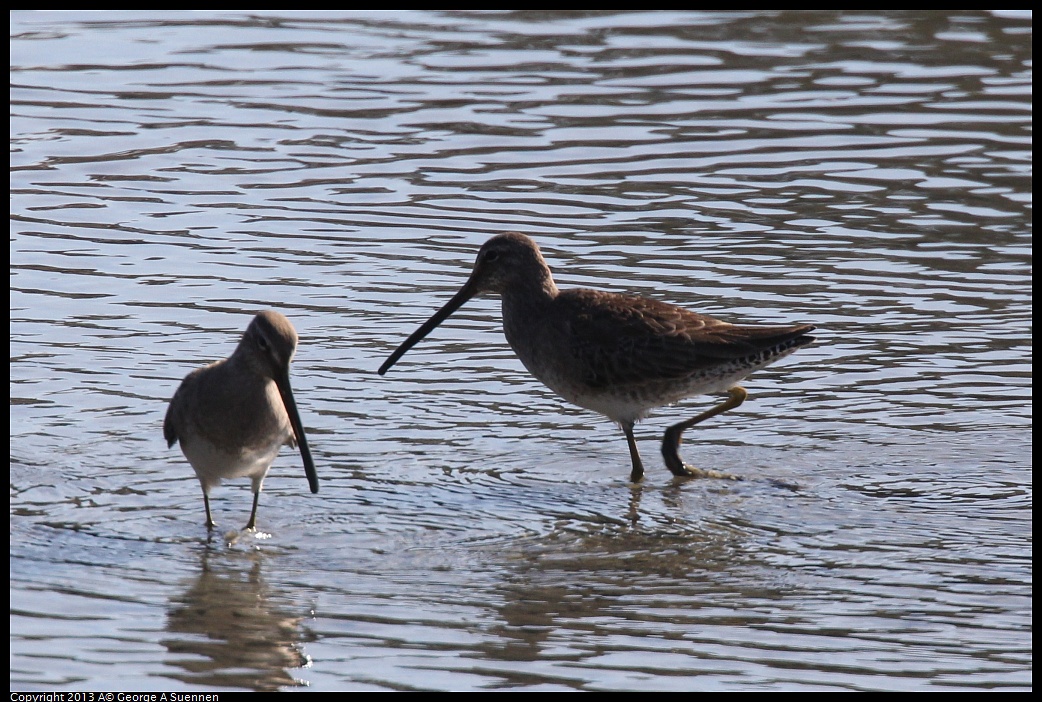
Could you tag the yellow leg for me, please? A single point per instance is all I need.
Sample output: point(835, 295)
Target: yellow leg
point(671, 440)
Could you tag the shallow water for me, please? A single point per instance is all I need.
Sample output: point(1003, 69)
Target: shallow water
point(869, 172)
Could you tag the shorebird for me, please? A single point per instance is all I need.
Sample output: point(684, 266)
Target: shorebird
point(233, 416)
point(618, 355)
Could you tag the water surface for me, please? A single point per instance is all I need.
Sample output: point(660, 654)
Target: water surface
point(869, 172)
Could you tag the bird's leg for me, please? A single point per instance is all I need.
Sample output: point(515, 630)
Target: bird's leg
point(210, 524)
point(252, 524)
point(671, 440)
point(638, 467)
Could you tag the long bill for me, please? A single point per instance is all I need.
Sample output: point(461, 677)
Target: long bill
point(282, 382)
point(468, 291)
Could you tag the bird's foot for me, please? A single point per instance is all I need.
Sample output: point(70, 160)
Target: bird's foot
point(690, 471)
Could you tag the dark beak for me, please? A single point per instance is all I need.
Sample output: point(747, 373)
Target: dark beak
point(282, 381)
point(469, 290)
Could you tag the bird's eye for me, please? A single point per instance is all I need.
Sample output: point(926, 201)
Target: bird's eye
point(263, 343)
point(492, 256)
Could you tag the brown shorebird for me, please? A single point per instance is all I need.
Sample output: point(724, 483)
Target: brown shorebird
point(233, 416)
point(618, 355)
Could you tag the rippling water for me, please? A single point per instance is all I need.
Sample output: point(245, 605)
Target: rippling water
point(869, 172)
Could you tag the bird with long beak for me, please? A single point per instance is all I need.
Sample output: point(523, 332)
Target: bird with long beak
point(618, 355)
point(232, 417)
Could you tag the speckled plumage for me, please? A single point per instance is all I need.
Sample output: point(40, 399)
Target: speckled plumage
point(618, 355)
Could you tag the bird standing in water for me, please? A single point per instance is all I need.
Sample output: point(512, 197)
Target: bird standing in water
point(618, 355)
point(233, 416)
